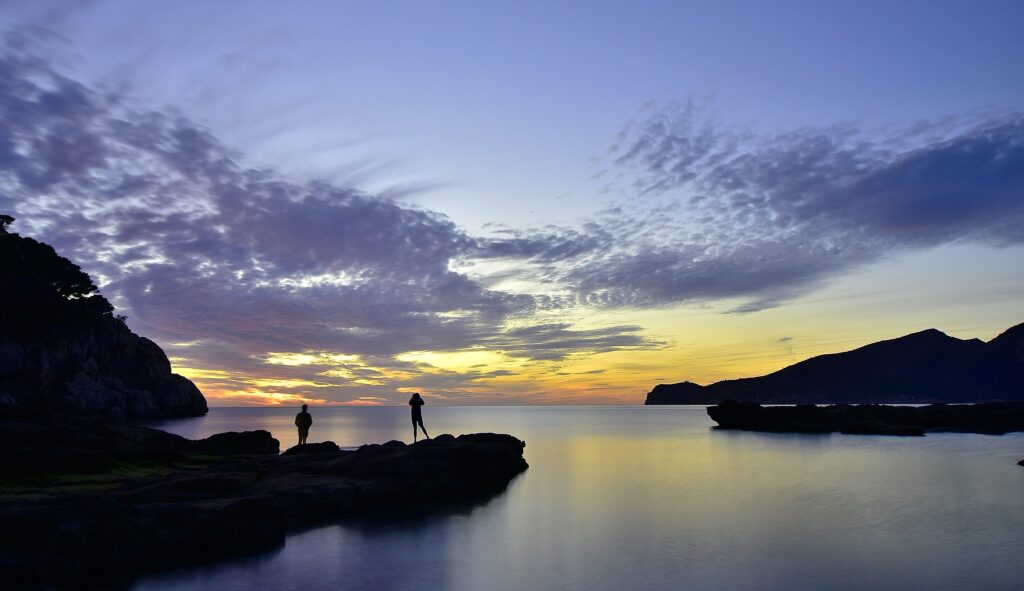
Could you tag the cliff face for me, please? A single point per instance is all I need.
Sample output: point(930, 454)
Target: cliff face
point(924, 367)
point(61, 346)
point(98, 366)
point(669, 393)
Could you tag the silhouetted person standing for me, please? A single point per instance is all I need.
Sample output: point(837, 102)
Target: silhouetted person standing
point(303, 421)
point(417, 415)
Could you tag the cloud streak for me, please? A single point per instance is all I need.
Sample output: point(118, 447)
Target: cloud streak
point(196, 246)
point(224, 262)
point(709, 213)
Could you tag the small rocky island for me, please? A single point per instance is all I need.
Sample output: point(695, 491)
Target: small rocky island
point(89, 500)
point(871, 419)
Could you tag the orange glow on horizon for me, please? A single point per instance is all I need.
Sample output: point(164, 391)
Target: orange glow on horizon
point(699, 344)
point(258, 397)
point(365, 401)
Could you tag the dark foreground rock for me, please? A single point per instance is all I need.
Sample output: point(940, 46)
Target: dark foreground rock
point(223, 496)
point(313, 449)
point(41, 448)
point(992, 418)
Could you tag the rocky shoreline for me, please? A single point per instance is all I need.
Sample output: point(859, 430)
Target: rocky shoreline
point(871, 419)
point(129, 500)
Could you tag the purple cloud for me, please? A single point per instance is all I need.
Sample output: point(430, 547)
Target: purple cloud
point(198, 246)
point(195, 245)
point(711, 213)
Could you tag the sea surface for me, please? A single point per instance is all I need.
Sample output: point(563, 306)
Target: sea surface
point(652, 498)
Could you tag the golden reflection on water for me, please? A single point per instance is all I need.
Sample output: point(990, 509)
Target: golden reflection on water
point(654, 499)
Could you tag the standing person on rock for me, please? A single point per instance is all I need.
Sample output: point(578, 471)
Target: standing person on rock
point(303, 421)
point(417, 415)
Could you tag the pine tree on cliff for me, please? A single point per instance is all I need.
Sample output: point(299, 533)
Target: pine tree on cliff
point(40, 287)
point(61, 346)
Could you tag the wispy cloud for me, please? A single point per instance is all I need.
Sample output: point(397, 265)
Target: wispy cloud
point(228, 264)
point(706, 212)
point(233, 261)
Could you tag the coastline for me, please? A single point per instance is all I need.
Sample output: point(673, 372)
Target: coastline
point(66, 520)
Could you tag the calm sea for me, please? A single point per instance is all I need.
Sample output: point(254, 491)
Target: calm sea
point(652, 498)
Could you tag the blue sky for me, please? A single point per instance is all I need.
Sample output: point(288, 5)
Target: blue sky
point(600, 179)
point(512, 103)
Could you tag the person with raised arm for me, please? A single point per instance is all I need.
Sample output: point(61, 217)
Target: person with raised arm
point(416, 402)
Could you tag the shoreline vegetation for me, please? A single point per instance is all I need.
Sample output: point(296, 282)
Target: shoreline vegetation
point(85, 500)
point(62, 345)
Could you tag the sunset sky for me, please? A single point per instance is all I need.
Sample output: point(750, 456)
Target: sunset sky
point(527, 203)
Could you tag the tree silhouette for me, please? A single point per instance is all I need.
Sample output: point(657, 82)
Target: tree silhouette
point(40, 287)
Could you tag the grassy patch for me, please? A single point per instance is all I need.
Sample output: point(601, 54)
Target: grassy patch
point(97, 477)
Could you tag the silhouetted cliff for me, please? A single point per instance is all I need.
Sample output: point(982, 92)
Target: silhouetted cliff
point(61, 346)
point(923, 367)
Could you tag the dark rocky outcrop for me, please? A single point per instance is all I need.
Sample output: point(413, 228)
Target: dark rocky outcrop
point(328, 447)
point(62, 347)
point(206, 500)
point(237, 443)
point(924, 367)
point(871, 419)
point(98, 367)
point(40, 445)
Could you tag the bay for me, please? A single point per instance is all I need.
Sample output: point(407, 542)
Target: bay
point(655, 498)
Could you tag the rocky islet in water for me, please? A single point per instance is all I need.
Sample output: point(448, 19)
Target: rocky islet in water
point(871, 419)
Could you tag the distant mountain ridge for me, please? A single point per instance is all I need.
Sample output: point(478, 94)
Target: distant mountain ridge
point(924, 367)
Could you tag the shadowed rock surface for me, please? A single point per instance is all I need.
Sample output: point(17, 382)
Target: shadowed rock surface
point(39, 444)
point(921, 368)
point(199, 501)
point(871, 419)
point(313, 448)
point(99, 366)
point(62, 347)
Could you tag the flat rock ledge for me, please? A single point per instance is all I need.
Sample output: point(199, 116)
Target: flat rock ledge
point(995, 418)
point(244, 499)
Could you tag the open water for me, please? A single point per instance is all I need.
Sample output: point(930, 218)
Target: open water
point(653, 498)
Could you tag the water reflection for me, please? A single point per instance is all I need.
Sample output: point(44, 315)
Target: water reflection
point(620, 498)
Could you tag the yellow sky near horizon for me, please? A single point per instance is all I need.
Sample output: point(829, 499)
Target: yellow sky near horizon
point(702, 344)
